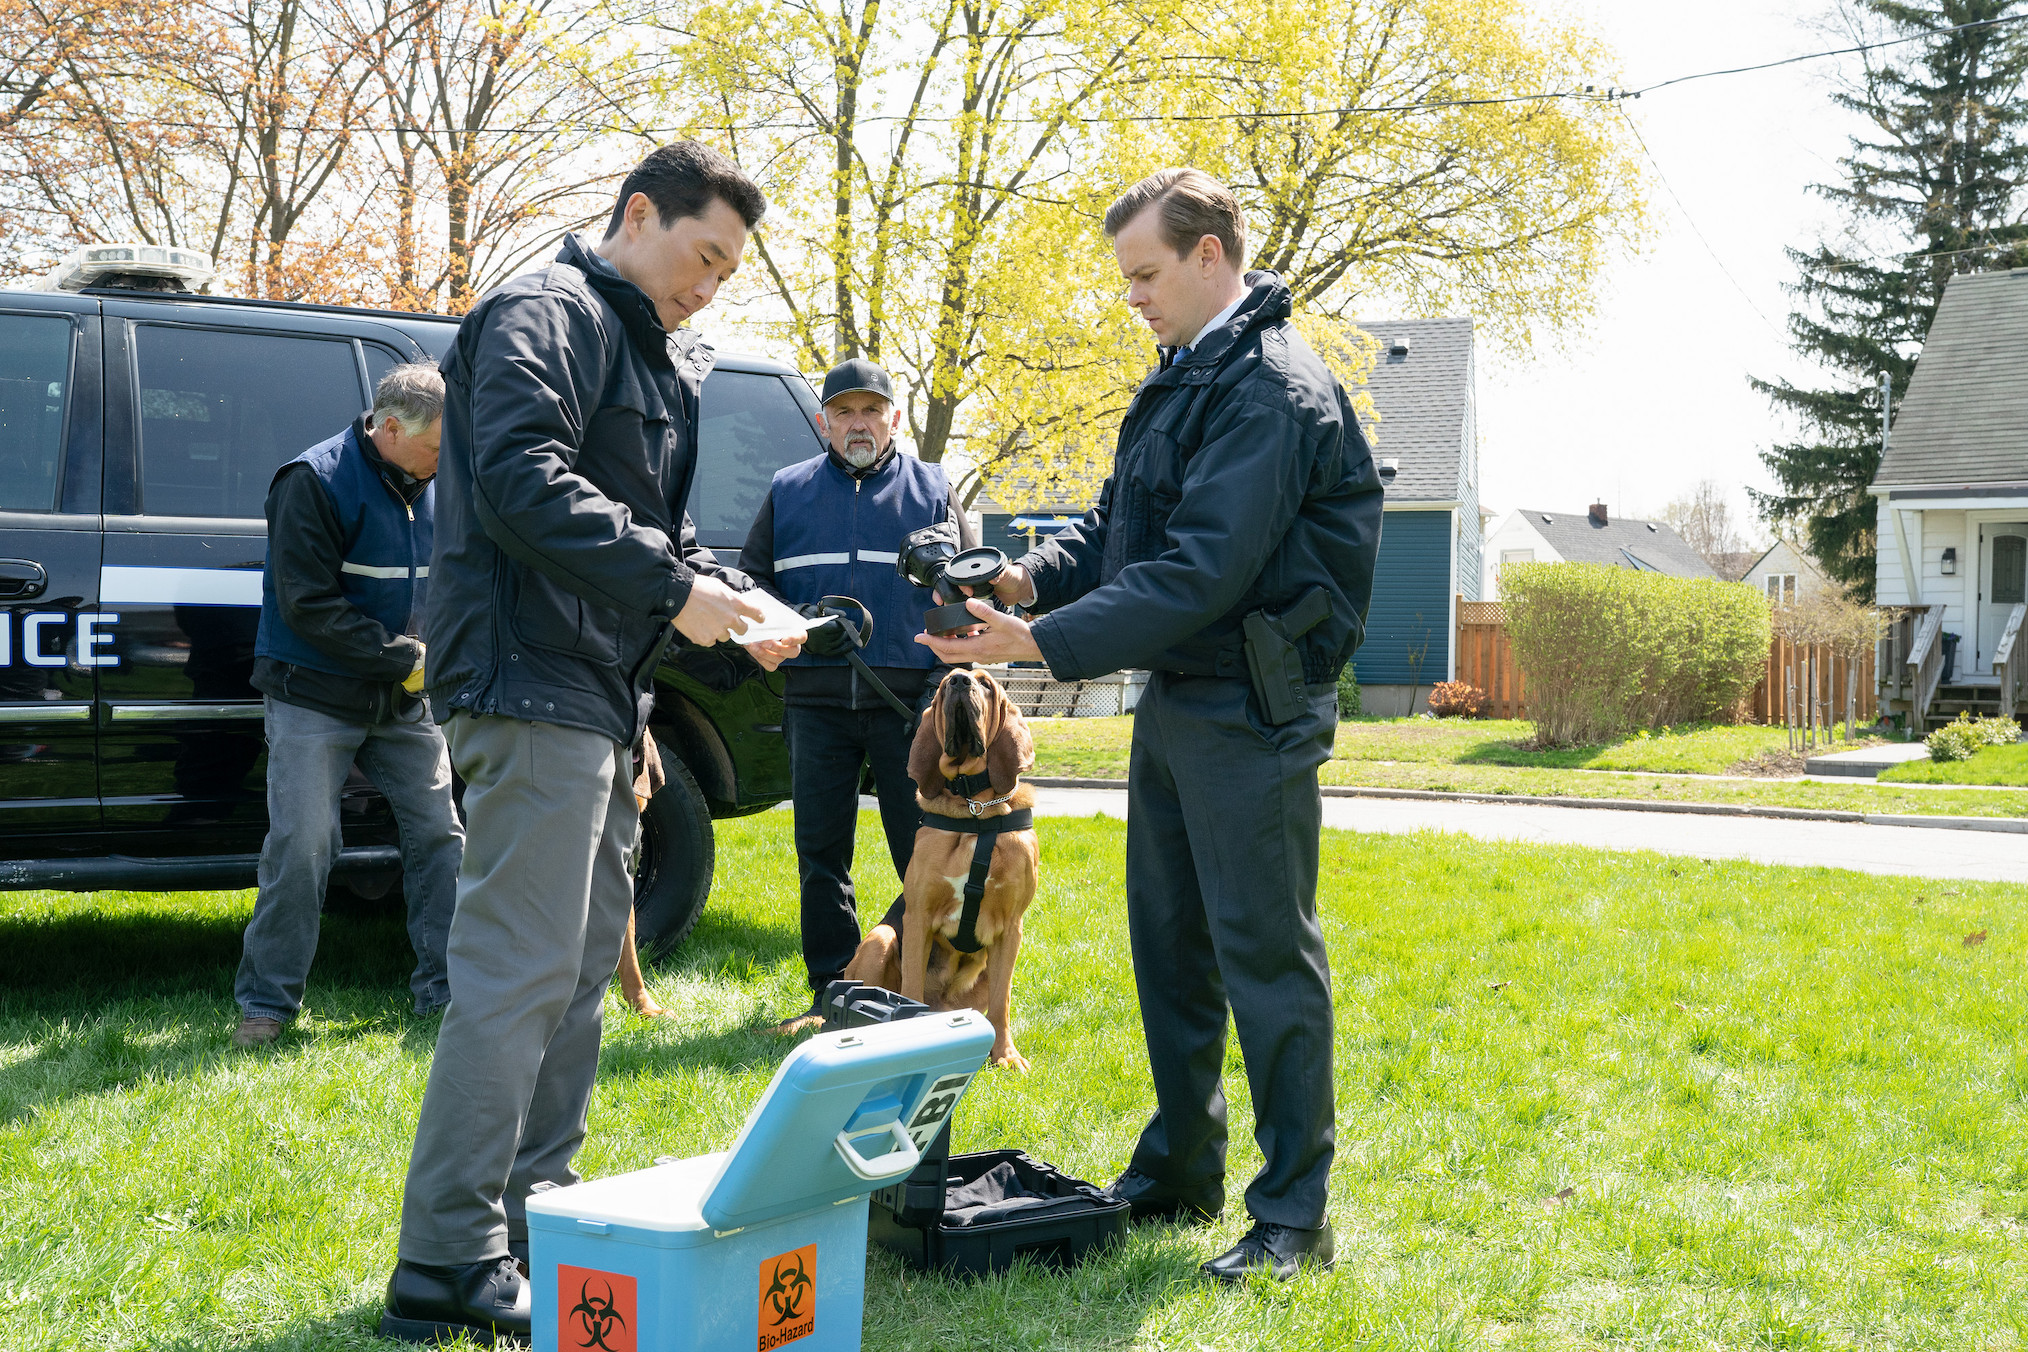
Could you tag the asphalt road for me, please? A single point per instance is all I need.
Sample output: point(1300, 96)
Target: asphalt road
point(1921, 852)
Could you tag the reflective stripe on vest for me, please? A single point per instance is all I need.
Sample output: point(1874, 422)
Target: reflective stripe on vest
point(839, 536)
point(384, 571)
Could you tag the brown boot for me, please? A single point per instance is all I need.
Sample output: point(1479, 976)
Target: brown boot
point(256, 1032)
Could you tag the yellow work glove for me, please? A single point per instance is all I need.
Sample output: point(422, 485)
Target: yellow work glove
point(414, 683)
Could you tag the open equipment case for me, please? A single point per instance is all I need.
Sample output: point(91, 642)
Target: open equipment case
point(973, 1214)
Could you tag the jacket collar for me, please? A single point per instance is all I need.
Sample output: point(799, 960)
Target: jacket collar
point(629, 302)
point(1267, 300)
point(397, 478)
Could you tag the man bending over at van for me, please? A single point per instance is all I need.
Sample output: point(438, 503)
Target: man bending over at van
point(338, 660)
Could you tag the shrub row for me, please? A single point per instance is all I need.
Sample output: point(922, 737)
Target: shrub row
point(1607, 650)
point(1964, 738)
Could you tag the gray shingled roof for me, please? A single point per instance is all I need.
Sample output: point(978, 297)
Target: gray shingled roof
point(1964, 419)
point(1423, 399)
point(1579, 539)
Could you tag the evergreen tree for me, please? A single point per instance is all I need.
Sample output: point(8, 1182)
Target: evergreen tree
point(1934, 177)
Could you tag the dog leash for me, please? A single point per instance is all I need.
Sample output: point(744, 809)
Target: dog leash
point(987, 830)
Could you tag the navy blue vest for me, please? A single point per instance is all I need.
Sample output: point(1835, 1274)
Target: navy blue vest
point(385, 568)
point(838, 536)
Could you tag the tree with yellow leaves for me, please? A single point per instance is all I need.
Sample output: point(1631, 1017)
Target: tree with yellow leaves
point(939, 167)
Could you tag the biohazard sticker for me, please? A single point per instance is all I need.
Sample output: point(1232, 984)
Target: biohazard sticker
point(936, 1109)
point(788, 1298)
point(595, 1311)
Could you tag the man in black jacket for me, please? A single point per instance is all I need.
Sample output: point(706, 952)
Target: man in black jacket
point(563, 555)
point(339, 663)
point(832, 526)
point(1241, 487)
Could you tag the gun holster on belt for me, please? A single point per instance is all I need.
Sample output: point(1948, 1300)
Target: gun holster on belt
point(1274, 661)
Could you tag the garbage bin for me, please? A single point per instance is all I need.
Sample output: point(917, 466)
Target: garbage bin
point(764, 1246)
point(1950, 647)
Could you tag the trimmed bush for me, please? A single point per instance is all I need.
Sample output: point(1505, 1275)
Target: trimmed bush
point(1608, 650)
point(1964, 737)
point(1348, 693)
point(1457, 699)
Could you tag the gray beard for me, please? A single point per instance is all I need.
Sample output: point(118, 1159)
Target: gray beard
point(859, 454)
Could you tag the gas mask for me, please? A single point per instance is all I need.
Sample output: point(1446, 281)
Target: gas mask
point(930, 558)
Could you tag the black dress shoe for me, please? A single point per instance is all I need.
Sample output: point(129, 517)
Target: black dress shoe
point(1150, 1200)
point(1276, 1251)
point(485, 1301)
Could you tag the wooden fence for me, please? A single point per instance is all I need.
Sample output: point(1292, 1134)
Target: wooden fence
point(1797, 665)
point(1486, 660)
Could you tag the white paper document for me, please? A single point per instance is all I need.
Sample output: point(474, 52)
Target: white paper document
point(780, 621)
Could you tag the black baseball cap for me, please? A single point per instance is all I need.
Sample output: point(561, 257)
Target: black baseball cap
point(857, 375)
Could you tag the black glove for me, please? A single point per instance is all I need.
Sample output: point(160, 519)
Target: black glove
point(832, 639)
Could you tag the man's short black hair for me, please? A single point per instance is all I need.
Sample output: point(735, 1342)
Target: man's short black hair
point(682, 178)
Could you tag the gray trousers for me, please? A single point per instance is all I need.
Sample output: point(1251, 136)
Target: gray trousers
point(309, 756)
point(543, 900)
point(1223, 819)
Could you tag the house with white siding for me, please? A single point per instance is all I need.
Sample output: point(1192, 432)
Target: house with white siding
point(1591, 536)
point(1952, 502)
point(1787, 575)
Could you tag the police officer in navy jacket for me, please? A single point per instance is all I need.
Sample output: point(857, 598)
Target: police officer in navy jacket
point(338, 660)
point(831, 526)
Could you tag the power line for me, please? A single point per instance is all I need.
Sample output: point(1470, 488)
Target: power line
point(1687, 220)
point(1818, 56)
point(1586, 94)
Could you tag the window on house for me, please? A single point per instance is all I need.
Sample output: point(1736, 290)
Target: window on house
point(1781, 588)
point(2010, 569)
point(1517, 556)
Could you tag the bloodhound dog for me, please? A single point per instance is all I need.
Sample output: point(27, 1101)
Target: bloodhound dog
point(952, 940)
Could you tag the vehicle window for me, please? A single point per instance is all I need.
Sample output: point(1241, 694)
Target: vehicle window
point(379, 361)
point(222, 411)
point(34, 373)
point(749, 427)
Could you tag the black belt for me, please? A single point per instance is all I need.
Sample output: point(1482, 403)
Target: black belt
point(987, 829)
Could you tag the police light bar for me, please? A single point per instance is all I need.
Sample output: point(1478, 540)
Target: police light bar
point(96, 262)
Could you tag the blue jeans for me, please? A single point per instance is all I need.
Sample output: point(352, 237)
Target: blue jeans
point(309, 756)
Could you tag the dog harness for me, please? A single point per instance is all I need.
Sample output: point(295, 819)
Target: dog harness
point(987, 830)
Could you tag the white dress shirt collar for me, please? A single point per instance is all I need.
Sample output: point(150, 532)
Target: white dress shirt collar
point(1216, 320)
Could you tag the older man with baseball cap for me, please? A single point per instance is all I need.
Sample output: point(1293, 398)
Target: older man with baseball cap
point(831, 526)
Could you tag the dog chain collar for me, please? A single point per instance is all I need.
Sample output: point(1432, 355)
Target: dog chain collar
point(978, 809)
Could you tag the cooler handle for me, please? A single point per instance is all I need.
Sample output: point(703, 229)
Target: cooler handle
point(893, 1164)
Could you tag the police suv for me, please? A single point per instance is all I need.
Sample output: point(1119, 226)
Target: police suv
point(140, 426)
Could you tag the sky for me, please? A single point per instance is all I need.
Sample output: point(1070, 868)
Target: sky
point(1652, 396)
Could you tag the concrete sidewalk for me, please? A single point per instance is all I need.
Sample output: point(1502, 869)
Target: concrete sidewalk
point(1901, 850)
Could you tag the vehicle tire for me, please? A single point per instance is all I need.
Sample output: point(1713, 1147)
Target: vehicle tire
point(366, 896)
point(672, 863)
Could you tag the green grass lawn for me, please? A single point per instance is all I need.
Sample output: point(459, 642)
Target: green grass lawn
point(1471, 756)
point(1988, 765)
point(1098, 746)
point(1787, 1106)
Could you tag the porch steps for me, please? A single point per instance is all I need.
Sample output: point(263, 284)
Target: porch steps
point(1980, 701)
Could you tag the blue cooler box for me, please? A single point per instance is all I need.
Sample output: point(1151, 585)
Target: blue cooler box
point(763, 1246)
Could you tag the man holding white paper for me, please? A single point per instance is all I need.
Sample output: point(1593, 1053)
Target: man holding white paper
point(563, 557)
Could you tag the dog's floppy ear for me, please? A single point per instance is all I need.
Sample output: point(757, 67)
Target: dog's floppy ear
point(926, 752)
point(1012, 750)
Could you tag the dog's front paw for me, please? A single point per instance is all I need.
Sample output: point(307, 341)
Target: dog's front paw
point(645, 1006)
point(1004, 1054)
point(795, 1027)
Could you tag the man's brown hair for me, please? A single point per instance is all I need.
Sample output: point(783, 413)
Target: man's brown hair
point(1192, 204)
